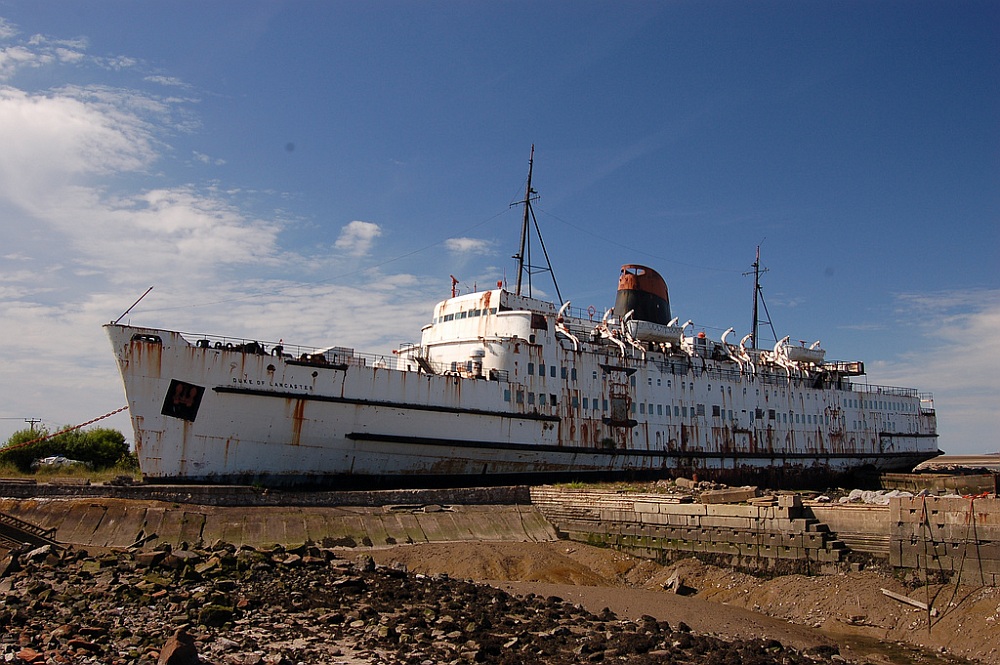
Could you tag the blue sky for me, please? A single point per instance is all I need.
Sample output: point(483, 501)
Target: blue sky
point(315, 171)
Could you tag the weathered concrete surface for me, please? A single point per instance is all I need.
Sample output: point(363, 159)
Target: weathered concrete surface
point(959, 535)
point(863, 528)
point(942, 483)
point(246, 496)
point(115, 523)
point(657, 526)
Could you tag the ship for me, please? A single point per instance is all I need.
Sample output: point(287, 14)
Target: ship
point(504, 387)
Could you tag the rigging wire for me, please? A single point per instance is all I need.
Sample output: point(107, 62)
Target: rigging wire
point(609, 241)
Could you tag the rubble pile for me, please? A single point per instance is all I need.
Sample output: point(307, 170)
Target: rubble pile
point(247, 606)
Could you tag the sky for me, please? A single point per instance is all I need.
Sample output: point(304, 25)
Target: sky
point(316, 171)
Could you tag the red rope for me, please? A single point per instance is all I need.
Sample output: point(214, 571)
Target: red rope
point(68, 429)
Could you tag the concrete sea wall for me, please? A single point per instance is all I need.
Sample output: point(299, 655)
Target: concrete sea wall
point(662, 527)
point(114, 523)
point(955, 536)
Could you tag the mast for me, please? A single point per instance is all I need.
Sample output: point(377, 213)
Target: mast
point(756, 290)
point(523, 255)
point(524, 225)
point(758, 296)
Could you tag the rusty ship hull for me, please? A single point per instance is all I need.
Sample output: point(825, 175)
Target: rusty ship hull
point(504, 387)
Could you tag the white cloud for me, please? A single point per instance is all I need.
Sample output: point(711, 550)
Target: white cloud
point(357, 237)
point(469, 246)
point(959, 362)
point(205, 159)
point(7, 29)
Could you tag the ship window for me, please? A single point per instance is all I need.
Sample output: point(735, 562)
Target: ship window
point(659, 409)
point(701, 409)
point(576, 402)
point(605, 403)
point(586, 403)
point(520, 397)
point(552, 371)
point(633, 380)
point(449, 317)
point(796, 419)
point(649, 381)
point(461, 315)
point(684, 411)
point(531, 368)
point(531, 398)
point(642, 408)
point(506, 394)
point(474, 312)
point(552, 399)
point(716, 410)
point(563, 372)
point(572, 374)
point(538, 322)
point(677, 411)
point(730, 414)
point(454, 366)
point(633, 409)
point(770, 414)
point(541, 399)
point(541, 369)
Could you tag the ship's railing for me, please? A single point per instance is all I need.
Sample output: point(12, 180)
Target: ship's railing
point(318, 355)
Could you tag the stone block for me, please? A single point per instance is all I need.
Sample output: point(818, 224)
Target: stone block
point(726, 522)
point(789, 501)
point(729, 510)
point(647, 507)
point(698, 509)
point(652, 518)
point(730, 495)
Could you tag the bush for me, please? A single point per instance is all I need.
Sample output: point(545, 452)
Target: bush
point(100, 447)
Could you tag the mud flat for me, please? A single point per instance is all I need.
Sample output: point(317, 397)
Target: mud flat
point(512, 547)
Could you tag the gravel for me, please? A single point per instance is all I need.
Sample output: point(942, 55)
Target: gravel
point(244, 606)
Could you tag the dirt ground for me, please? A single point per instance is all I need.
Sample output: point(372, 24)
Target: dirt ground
point(849, 609)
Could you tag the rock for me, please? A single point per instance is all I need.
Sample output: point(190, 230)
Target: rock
point(179, 650)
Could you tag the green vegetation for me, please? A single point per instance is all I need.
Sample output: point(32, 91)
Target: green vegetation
point(102, 451)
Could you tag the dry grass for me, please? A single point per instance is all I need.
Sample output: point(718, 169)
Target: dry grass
point(75, 474)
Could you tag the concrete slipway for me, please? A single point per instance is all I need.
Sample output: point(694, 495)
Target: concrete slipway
point(104, 522)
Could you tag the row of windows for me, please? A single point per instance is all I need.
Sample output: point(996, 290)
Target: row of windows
point(878, 404)
point(642, 408)
point(563, 372)
point(465, 314)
